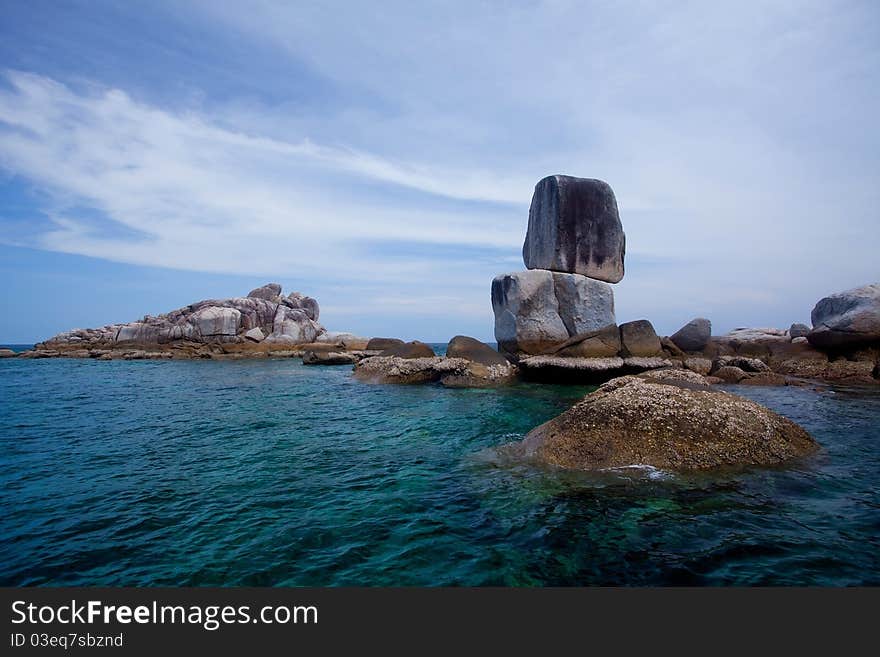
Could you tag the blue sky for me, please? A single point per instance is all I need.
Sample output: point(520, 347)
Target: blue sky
point(152, 154)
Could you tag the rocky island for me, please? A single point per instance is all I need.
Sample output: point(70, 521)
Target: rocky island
point(554, 322)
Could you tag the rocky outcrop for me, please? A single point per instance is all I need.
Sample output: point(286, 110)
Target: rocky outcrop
point(536, 311)
point(638, 338)
point(328, 358)
point(451, 372)
point(574, 227)
point(667, 424)
point(264, 317)
point(7, 353)
point(694, 335)
point(847, 319)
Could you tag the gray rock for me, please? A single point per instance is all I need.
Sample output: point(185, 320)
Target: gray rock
point(292, 325)
point(255, 335)
point(304, 303)
point(699, 365)
point(269, 292)
point(574, 227)
point(798, 331)
point(216, 321)
point(694, 335)
point(7, 353)
point(638, 338)
point(537, 310)
point(847, 318)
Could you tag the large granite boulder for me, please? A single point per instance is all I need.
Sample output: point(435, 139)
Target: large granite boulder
point(639, 338)
point(846, 319)
point(301, 302)
point(462, 346)
point(216, 321)
point(269, 292)
point(694, 335)
point(537, 310)
point(574, 227)
point(664, 423)
point(293, 326)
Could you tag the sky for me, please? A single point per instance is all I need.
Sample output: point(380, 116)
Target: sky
point(381, 158)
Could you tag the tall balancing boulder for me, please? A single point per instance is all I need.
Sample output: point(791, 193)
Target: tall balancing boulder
point(536, 311)
point(574, 227)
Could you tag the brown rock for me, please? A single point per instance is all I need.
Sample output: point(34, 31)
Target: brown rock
point(634, 421)
point(638, 338)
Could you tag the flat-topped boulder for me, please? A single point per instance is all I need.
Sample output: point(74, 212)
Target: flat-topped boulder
point(664, 423)
point(574, 227)
point(847, 319)
point(450, 372)
point(537, 310)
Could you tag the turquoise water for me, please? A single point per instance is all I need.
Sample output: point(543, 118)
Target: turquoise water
point(271, 473)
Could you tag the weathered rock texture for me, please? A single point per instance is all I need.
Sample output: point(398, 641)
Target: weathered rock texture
point(536, 311)
point(264, 316)
point(668, 424)
point(451, 372)
point(462, 346)
point(638, 338)
point(694, 335)
point(847, 318)
point(574, 227)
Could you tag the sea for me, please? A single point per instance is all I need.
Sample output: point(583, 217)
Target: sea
point(271, 473)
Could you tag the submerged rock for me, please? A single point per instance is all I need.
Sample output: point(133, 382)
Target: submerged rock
point(328, 358)
point(667, 424)
point(574, 227)
point(847, 318)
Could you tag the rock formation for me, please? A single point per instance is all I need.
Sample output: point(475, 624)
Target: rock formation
point(847, 318)
point(666, 423)
point(264, 316)
point(574, 227)
point(574, 247)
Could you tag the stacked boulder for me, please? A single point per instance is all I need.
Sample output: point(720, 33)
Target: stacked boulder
point(560, 311)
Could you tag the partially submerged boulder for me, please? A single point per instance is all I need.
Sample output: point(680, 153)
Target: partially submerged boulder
point(574, 227)
point(328, 358)
point(381, 344)
point(666, 424)
point(414, 349)
point(694, 335)
point(451, 372)
point(847, 319)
